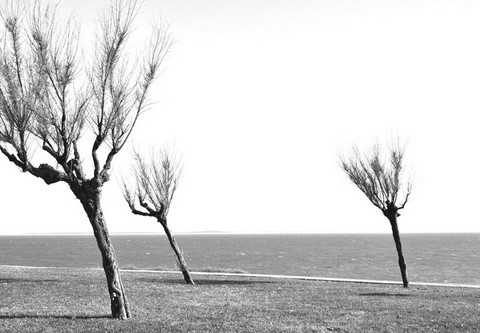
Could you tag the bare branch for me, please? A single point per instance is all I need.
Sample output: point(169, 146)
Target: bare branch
point(46, 172)
point(76, 163)
point(130, 199)
point(118, 100)
point(12, 158)
point(152, 211)
point(409, 190)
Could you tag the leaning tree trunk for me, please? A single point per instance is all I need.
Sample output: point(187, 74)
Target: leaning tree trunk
point(401, 260)
point(180, 261)
point(91, 203)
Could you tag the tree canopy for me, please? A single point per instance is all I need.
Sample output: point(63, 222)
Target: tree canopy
point(380, 181)
point(50, 98)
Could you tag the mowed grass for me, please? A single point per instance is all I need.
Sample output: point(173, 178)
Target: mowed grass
point(76, 300)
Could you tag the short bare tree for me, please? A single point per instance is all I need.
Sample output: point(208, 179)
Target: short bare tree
point(49, 98)
point(382, 184)
point(156, 182)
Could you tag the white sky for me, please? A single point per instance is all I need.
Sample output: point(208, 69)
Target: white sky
point(259, 97)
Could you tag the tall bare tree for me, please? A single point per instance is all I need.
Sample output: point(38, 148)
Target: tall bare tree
point(382, 183)
point(49, 99)
point(156, 182)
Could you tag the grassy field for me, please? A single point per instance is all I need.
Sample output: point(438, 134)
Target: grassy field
point(75, 300)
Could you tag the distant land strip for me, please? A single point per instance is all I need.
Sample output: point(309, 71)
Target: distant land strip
point(274, 276)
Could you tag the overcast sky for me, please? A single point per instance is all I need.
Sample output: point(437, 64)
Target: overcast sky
point(260, 97)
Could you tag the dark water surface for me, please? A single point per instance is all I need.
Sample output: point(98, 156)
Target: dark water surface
point(449, 258)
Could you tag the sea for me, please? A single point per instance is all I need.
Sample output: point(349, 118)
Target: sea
point(434, 258)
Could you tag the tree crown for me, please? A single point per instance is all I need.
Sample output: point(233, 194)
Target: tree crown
point(46, 97)
point(156, 182)
point(380, 181)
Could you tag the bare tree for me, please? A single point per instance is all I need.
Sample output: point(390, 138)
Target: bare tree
point(156, 183)
point(381, 183)
point(48, 96)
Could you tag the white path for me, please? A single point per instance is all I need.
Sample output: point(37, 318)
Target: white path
point(309, 278)
point(314, 278)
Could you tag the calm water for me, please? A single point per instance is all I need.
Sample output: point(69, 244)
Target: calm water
point(452, 258)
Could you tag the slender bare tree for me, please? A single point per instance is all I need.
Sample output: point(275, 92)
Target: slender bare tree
point(382, 183)
point(156, 182)
point(48, 97)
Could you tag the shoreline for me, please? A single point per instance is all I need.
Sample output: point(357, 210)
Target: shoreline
point(239, 233)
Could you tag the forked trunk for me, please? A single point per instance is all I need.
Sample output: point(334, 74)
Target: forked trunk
point(178, 253)
point(91, 203)
point(398, 244)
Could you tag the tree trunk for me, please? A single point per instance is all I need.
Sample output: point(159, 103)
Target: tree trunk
point(91, 203)
point(180, 261)
point(401, 260)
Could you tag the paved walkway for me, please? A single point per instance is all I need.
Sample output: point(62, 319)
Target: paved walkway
point(312, 278)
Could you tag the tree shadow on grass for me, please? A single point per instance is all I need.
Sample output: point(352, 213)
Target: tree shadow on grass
point(204, 282)
point(52, 316)
point(385, 294)
point(27, 280)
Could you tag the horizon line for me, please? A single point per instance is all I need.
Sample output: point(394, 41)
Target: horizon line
point(236, 233)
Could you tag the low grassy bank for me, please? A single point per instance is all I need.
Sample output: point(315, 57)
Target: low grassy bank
point(60, 300)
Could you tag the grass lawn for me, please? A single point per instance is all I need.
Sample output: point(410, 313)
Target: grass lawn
point(76, 300)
